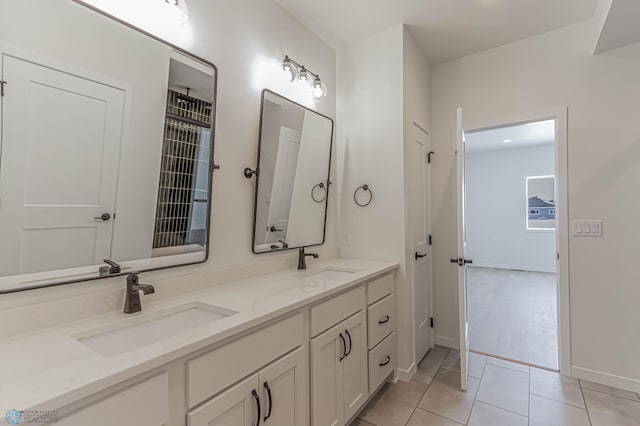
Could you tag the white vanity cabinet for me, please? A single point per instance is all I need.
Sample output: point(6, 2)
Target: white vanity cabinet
point(381, 313)
point(339, 359)
point(274, 396)
point(271, 363)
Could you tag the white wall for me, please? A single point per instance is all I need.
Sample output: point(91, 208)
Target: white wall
point(602, 94)
point(383, 86)
point(246, 39)
point(370, 128)
point(496, 207)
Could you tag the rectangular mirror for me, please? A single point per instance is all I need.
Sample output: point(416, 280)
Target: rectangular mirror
point(106, 149)
point(292, 188)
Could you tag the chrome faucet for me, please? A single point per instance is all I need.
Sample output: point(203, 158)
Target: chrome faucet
point(132, 301)
point(302, 256)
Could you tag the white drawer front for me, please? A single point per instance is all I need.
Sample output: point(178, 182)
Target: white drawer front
point(212, 372)
point(381, 319)
point(380, 287)
point(382, 361)
point(327, 314)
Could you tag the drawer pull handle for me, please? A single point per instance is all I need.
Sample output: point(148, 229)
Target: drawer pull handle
point(257, 398)
point(344, 346)
point(350, 343)
point(386, 362)
point(385, 320)
point(266, 386)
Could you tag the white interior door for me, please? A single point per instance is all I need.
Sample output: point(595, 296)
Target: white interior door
point(61, 139)
point(461, 259)
point(282, 188)
point(419, 202)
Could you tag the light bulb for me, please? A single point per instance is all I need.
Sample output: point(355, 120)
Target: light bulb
point(319, 90)
point(289, 68)
point(183, 12)
point(303, 75)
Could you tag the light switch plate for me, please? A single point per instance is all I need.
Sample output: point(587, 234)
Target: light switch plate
point(587, 228)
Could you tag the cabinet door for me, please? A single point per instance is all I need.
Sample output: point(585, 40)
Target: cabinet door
point(326, 379)
point(235, 407)
point(355, 367)
point(284, 392)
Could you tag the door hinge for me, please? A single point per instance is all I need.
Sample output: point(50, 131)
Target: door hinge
point(430, 240)
point(429, 156)
point(558, 256)
point(432, 322)
point(2, 83)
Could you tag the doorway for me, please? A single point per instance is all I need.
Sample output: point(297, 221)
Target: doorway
point(510, 194)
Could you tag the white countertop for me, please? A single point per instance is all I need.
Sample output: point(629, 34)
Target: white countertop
point(49, 369)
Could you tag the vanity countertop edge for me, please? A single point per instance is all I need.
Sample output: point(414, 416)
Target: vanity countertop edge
point(50, 369)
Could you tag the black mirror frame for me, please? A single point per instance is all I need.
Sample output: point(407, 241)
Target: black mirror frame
point(257, 174)
point(212, 165)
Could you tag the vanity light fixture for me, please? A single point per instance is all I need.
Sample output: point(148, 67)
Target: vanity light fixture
point(299, 73)
point(182, 10)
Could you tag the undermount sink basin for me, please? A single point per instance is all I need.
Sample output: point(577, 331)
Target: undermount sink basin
point(327, 274)
point(135, 333)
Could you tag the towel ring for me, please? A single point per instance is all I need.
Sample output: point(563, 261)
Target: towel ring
point(364, 187)
point(313, 196)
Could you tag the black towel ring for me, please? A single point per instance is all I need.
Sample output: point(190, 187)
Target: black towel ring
point(364, 187)
point(321, 186)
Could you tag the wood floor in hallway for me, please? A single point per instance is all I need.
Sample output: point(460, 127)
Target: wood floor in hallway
point(513, 314)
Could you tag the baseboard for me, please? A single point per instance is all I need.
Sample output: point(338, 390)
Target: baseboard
point(406, 375)
point(447, 342)
point(514, 267)
point(619, 382)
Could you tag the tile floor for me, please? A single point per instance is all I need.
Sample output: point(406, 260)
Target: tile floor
point(513, 314)
point(500, 393)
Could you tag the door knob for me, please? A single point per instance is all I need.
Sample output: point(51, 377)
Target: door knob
point(461, 261)
point(104, 216)
point(274, 229)
point(420, 256)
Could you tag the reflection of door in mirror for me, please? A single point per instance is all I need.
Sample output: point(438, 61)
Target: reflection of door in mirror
point(60, 152)
point(279, 201)
point(313, 161)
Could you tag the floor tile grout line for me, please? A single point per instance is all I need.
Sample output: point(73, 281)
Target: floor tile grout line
point(559, 402)
point(610, 394)
point(499, 408)
point(586, 407)
point(442, 417)
point(428, 384)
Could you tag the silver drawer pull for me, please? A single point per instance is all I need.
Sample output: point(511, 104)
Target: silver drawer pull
point(385, 320)
point(386, 362)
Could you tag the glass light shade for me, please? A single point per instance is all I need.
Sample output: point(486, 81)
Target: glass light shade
point(303, 75)
point(319, 90)
point(289, 68)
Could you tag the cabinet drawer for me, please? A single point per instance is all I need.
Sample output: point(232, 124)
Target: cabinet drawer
point(380, 287)
point(382, 361)
point(214, 371)
point(329, 313)
point(143, 404)
point(381, 320)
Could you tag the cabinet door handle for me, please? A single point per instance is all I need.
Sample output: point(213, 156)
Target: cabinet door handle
point(257, 398)
point(386, 362)
point(344, 345)
point(385, 320)
point(266, 386)
point(350, 344)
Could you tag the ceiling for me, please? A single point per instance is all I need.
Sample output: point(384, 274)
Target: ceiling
point(521, 135)
point(443, 29)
